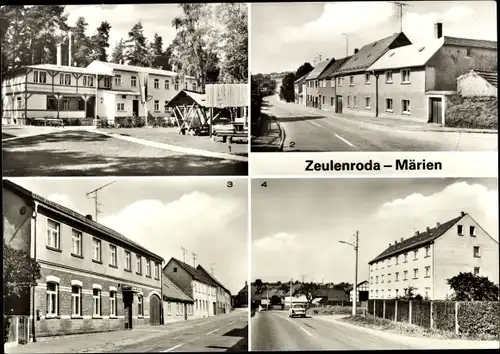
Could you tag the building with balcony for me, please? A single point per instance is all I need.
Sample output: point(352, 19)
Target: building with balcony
point(426, 260)
point(92, 277)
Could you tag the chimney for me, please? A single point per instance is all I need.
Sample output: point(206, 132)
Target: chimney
point(417, 233)
point(428, 228)
point(396, 242)
point(462, 213)
point(356, 50)
point(59, 54)
point(88, 216)
point(438, 30)
point(390, 244)
point(246, 283)
point(438, 224)
point(69, 50)
point(402, 238)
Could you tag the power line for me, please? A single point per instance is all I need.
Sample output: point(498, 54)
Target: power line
point(95, 197)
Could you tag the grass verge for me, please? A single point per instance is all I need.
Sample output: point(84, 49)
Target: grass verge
point(410, 330)
point(333, 310)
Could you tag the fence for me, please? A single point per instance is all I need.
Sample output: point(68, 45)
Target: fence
point(467, 317)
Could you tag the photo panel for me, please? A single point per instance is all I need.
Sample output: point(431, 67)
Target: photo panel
point(374, 263)
point(125, 264)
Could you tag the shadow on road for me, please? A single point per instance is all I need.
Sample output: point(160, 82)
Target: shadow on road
point(297, 118)
point(5, 135)
point(240, 346)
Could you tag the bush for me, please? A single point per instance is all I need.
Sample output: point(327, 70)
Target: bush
point(443, 315)
point(472, 112)
point(403, 310)
point(421, 313)
point(479, 317)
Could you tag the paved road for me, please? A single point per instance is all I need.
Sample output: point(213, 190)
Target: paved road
point(84, 153)
point(310, 129)
point(274, 330)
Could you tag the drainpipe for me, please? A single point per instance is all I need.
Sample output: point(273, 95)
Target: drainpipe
point(35, 214)
point(376, 93)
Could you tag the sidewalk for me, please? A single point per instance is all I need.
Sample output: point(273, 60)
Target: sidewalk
point(270, 137)
point(417, 342)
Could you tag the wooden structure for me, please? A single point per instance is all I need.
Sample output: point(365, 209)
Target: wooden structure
point(190, 112)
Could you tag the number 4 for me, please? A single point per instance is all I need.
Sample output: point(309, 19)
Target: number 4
point(264, 184)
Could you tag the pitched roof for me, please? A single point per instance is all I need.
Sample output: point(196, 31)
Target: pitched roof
point(81, 219)
point(302, 78)
point(328, 73)
point(172, 292)
point(204, 271)
point(491, 77)
point(196, 274)
point(134, 68)
point(419, 239)
point(368, 54)
point(407, 56)
point(468, 42)
point(359, 284)
point(318, 70)
point(68, 69)
point(337, 295)
point(188, 96)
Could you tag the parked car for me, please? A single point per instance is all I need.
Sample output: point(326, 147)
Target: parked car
point(297, 310)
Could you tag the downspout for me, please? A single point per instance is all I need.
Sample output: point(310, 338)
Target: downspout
point(34, 217)
point(376, 94)
point(162, 319)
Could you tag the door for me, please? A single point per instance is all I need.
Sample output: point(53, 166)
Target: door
point(135, 108)
point(154, 310)
point(128, 301)
point(436, 110)
point(185, 311)
point(90, 107)
point(338, 107)
point(215, 308)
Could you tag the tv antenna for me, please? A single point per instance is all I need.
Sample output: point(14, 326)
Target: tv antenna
point(93, 195)
point(346, 44)
point(184, 252)
point(399, 12)
point(212, 268)
point(194, 259)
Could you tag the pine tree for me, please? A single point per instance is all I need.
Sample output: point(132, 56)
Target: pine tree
point(118, 55)
point(82, 46)
point(136, 52)
point(100, 42)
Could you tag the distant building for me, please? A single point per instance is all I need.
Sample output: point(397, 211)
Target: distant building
point(223, 296)
point(363, 289)
point(478, 83)
point(312, 83)
point(327, 86)
point(177, 305)
point(299, 86)
point(241, 299)
point(426, 260)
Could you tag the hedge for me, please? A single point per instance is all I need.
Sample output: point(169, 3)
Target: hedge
point(421, 313)
point(479, 317)
point(443, 315)
point(472, 112)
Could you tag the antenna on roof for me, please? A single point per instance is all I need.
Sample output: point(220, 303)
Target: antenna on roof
point(346, 44)
point(94, 192)
point(212, 268)
point(184, 252)
point(399, 13)
point(194, 259)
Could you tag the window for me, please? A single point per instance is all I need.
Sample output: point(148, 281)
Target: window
point(120, 106)
point(140, 305)
point(323, 101)
point(397, 260)
point(76, 300)
point(355, 102)
point(396, 276)
point(388, 77)
point(389, 262)
point(133, 81)
point(476, 271)
point(148, 268)
point(19, 103)
point(469, 52)
point(367, 102)
point(472, 231)
point(476, 252)
point(96, 295)
point(118, 80)
point(331, 99)
point(332, 83)
point(194, 86)
point(157, 271)
point(427, 251)
point(427, 271)
point(348, 101)
point(39, 77)
point(167, 85)
point(405, 257)
point(76, 242)
point(52, 299)
point(65, 79)
point(113, 261)
point(460, 230)
point(405, 106)
point(397, 292)
point(156, 83)
point(53, 229)
point(405, 275)
point(405, 76)
point(169, 308)
point(185, 86)
point(382, 279)
point(112, 303)
point(128, 261)
point(197, 305)
point(157, 106)
point(96, 250)
point(166, 108)
point(139, 264)
point(107, 82)
point(388, 105)
point(351, 80)
point(376, 279)
point(415, 255)
point(176, 86)
point(339, 81)
point(367, 78)
point(88, 80)
point(415, 273)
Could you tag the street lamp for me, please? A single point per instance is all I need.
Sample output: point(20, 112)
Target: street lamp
point(355, 287)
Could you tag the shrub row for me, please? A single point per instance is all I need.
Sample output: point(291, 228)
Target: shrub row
point(472, 112)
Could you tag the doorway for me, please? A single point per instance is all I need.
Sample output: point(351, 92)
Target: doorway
point(436, 110)
point(338, 106)
point(135, 108)
point(128, 301)
point(185, 311)
point(154, 310)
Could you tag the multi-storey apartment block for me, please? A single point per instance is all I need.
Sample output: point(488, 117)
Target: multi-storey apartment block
point(92, 277)
point(426, 260)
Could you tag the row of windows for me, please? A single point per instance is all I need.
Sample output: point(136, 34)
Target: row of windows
point(388, 261)
point(156, 83)
point(53, 303)
point(397, 278)
point(54, 242)
point(40, 77)
point(388, 295)
point(405, 79)
point(179, 309)
point(204, 289)
point(472, 230)
point(201, 305)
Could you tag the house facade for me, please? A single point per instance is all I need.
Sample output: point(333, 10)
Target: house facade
point(362, 292)
point(415, 81)
point(92, 278)
point(177, 305)
point(194, 283)
point(426, 260)
point(298, 87)
point(327, 87)
point(313, 98)
point(223, 295)
point(241, 299)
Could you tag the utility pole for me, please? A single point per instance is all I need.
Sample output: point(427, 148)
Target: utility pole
point(346, 44)
point(355, 286)
point(94, 192)
point(267, 302)
point(194, 259)
point(291, 284)
point(184, 252)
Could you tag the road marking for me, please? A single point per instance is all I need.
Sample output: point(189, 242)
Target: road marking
point(173, 348)
point(346, 141)
point(215, 330)
point(307, 332)
point(316, 124)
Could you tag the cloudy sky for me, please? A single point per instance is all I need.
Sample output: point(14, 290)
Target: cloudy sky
point(202, 215)
point(286, 35)
point(297, 223)
point(156, 18)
